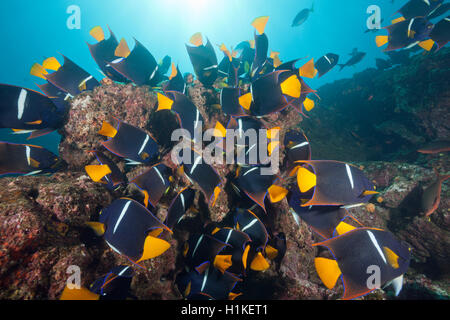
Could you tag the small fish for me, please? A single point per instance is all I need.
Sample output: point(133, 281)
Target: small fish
point(357, 250)
point(406, 34)
point(188, 115)
point(297, 147)
point(131, 230)
point(153, 183)
point(179, 206)
point(143, 150)
point(205, 176)
point(326, 63)
point(441, 32)
point(239, 247)
point(24, 109)
point(333, 183)
point(439, 11)
point(302, 16)
point(113, 286)
point(207, 283)
point(203, 248)
point(247, 222)
point(203, 59)
point(231, 102)
point(431, 196)
point(324, 220)
point(71, 78)
point(261, 47)
point(269, 92)
point(176, 81)
point(106, 172)
point(164, 65)
point(257, 186)
point(356, 58)
point(103, 53)
point(27, 160)
point(139, 65)
point(435, 147)
point(419, 8)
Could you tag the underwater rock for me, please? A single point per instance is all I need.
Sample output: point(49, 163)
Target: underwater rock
point(383, 114)
point(88, 111)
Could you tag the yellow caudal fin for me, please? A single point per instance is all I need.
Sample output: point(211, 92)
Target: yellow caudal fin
point(308, 70)
point(78, 294)
point(381, 40)
point(122, 49)
point(224, 49)
point(259, 263)
point(291, 87)
point(223, 262)
point(97, 172)
point(174, 72)
point(38, 71)
point(328, 271)
point(245, 101)
point(217, 191)
point(97, 33)
point(51, 64)
point(99, 228)
point(220, 131)
point(272, 146)
point(391, 257)
point(305, 179)
point(344, 228)
point(164, 103)
point(153, 247)
point(277, 193)
point(107, 130)
point(275, 56)
point(260, 24)
point(308, 104)
point(271, 252)
point(196, 39)
point(427, 44)
point(398, 20)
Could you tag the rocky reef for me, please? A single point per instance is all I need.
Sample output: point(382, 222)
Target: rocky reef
point(42, 219)
point(383, 114)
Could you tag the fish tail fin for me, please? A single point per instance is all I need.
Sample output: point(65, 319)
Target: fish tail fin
point(440, 177)
point(342, 66)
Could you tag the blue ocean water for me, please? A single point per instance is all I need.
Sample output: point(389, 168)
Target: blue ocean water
point(35, 30)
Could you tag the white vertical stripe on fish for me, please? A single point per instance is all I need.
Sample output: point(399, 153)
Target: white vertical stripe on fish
point(21, 103)
point(197, 244)
point(28, 154)
point(144, 144)
point(249, 225)
point(349, 174)
point(375, 243)
point(122, 214)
